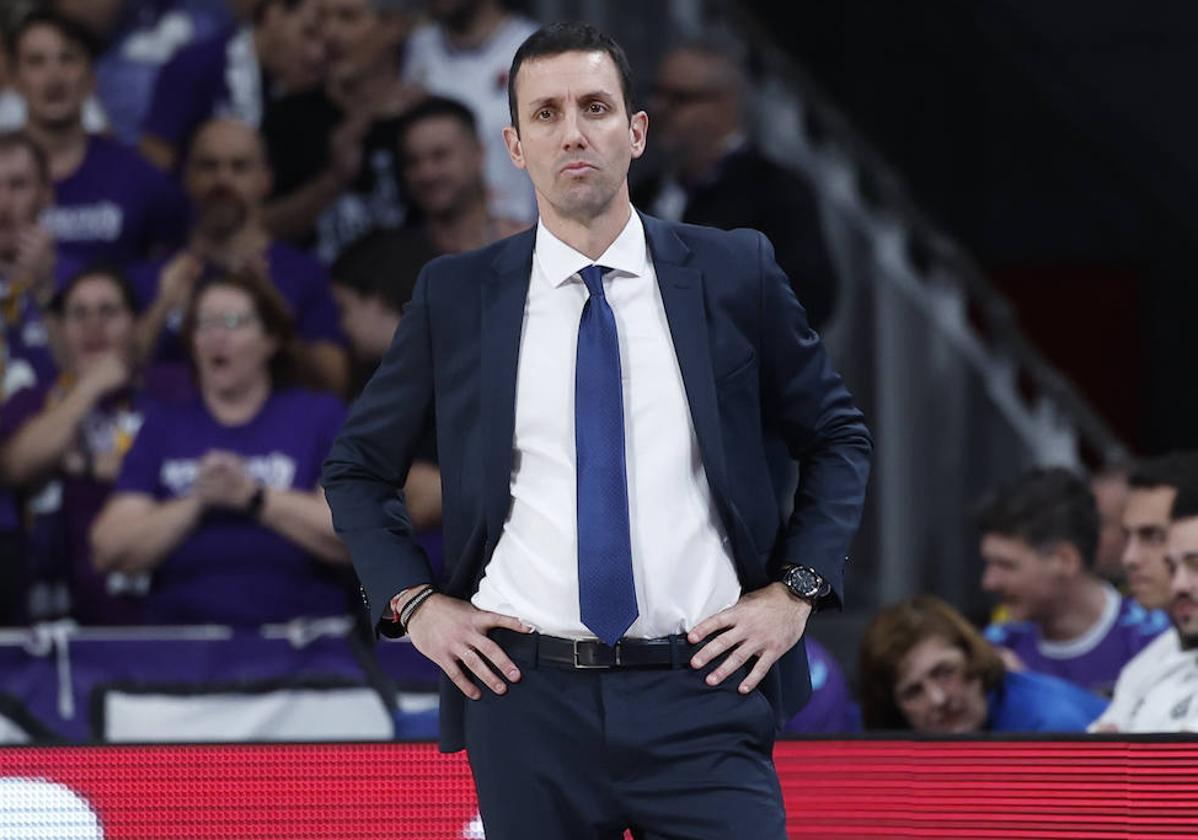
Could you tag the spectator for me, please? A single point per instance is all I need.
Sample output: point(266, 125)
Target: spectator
point(334, 150)
point(465, 54)
point(239, 73)
point(924, 667)
point(64, 442)
point(109, 204)
point(717, 177)
point(1109, 487)
point(831, 707)
point(27, 263)
point(135, 39)
point(1039, 536)
point(1158, 690)
point(218, 496)
point(1152, 488)
point(442, 165)
point(227, 178)
point(372, 282)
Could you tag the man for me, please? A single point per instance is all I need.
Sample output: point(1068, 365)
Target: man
point(109, 204)
point(441, 161)
point(1152, 487)
point(237, 73)
point(714, 175)
point(614, 606)
point(464, 53)
point(334, 148)
point(1158, 690)
point(227, 179)
point(1039, 536)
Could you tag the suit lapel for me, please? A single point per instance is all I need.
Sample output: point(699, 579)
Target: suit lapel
point(503, 298)
point(682, 295)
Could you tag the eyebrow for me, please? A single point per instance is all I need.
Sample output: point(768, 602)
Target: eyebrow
point(537, 104)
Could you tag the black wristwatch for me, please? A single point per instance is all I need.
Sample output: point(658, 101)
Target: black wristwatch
point(804, 582)
point(253, 508)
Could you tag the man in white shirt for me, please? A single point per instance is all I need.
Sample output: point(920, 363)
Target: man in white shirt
point(623, 601)
point(1158, 690)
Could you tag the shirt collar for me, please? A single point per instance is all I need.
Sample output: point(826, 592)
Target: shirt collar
point(558, 262)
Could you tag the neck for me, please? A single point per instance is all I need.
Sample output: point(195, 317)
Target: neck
point(235, 251)
point(589, 235)
point(64, 147)
point(238, 405)
point(476, 33)
point(1077, 610)
point(461, 230)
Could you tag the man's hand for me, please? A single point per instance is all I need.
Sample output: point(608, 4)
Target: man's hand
point(104, 375)
point(178, 279)
point(453, 633)
point(765, 623)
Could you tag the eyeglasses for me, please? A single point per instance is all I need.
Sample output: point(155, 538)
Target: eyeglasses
point(228, 321)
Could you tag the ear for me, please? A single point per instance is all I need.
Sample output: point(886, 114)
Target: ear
point(511, 139)
point(1066, 559)
point(638, 133)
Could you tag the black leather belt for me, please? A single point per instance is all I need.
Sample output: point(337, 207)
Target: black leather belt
point(591, 654)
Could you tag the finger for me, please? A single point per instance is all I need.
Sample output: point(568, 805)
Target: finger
point(459, 678)
point(473, 660)
point(735, 659)
point(718, 644)
point(491, 619)
point(755, 676)
point(722, 619)
point(498, 658)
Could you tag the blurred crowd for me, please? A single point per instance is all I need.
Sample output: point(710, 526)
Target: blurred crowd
point(211, 217)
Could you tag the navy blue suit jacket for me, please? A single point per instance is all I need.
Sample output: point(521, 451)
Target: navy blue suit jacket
point(752, 369)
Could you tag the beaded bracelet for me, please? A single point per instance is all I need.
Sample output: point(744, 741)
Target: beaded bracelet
point(413, 604)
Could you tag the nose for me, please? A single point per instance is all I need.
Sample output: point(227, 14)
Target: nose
point(936, 695)
point(990, 580)
point(572, 136)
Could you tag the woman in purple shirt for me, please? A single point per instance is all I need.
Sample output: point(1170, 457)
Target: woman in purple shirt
point(219, 496)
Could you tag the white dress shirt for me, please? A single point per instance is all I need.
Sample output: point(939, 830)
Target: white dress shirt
point(681, 559)
point(1157, 690)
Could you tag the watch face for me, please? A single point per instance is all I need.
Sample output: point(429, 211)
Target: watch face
point(803, 582)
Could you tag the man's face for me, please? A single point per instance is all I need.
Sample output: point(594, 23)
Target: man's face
point(575, 139)
point(935, 692)
point(367, 322)
point(357, 38)
point(54, 76)
point(227, 177)
point(96, 321)
point(22, 197)
point(291, 48)
point(1026, 581)
point(693, 103)
point(442, 166)
point(1146, 524)
point(1182, 562)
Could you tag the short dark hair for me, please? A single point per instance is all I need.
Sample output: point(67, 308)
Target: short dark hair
point(1169, 470)
point(563, 37)
point(434, 107)
point(11, 141)
point(1185, 503)
point(382, 264)
point(258, 13)
point(894, 633)
point(1044, 506)
point(70, 29)
point(109, 272)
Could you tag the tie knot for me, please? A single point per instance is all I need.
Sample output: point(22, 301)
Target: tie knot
point(592, 275)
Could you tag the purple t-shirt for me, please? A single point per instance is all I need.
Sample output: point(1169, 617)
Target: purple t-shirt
point(1093, 661)
point(116, 207)
point(231, 569)
point(301, 279)
point(62, 510)
point(194, 86)
point(831, 708)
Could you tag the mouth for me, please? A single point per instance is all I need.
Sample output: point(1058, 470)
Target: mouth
point(1183, 610)
point(576, 168)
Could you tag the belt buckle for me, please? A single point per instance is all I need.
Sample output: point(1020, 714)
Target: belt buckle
point(590, 666)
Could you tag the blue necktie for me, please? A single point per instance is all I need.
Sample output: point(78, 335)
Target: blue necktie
point(606, 595)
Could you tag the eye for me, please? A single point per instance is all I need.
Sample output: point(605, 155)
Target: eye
point(544, 114)
point(597, 108)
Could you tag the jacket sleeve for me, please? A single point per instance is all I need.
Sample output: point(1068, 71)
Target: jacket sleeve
point(366, 468)
point(823, 429)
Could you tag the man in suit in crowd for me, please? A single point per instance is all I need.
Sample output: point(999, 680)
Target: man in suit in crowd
point(623, 601)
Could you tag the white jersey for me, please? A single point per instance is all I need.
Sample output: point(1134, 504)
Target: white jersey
point(1157, 691)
